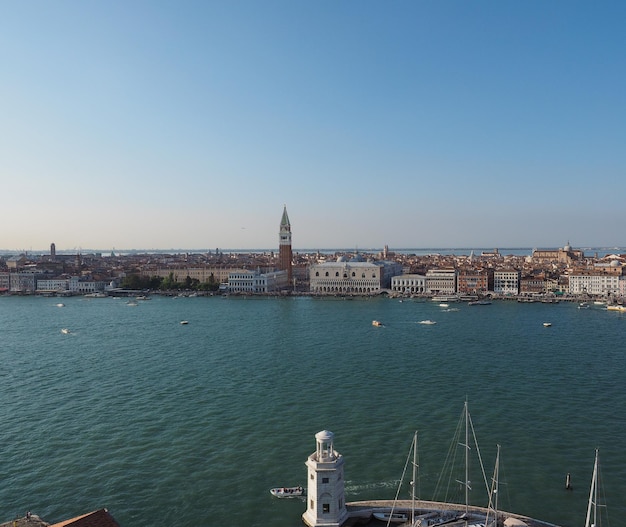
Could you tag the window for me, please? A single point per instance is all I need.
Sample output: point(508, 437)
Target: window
point(324, 480)
point(325, 508)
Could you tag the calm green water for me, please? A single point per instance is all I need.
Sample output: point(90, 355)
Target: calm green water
point(190, 425)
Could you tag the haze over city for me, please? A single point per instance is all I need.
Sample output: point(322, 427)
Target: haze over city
point(188, 124)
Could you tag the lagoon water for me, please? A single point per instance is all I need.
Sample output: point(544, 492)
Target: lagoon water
point(190, 425)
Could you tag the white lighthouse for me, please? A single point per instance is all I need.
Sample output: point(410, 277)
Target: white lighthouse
point(326, 504)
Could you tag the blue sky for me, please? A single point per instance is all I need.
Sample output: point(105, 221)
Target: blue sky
point(157, 125)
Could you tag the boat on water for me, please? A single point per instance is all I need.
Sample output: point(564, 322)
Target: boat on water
point(479, 303)
point(65, 331)
point(427, 322)
point(616, 307)
point(443, 304)
point(547, 324)
point(184, 322)
point(391, 517)
point(445, 298)
point(583, 305)
point(377, 323)
point(96, 294)
point(287, 492)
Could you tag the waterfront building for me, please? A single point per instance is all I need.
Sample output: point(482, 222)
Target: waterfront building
point(441, 281)
point(506, 282)
point(256, 282)
point(24, 282)
point(409, 283)
point(474, 281)
point(326, 504)
point(53, 285)
point(81, 286)
point(285, 256)
point(353, 276)
point(594, 284)
point(202, 274)
point(5, 281)
point(532, 285)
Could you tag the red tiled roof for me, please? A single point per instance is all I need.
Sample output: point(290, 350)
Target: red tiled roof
point(99, 518)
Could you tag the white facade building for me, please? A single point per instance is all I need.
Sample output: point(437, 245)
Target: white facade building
point(506, 282)
point(78, 285)
point(56, 284)
point(326, 502)
point(252, 282)
point(352, 276)
point(409, 283)
point(599, 284)
point(441, 281)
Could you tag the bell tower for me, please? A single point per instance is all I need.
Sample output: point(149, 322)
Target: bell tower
point(326, 504)
point(284, 247)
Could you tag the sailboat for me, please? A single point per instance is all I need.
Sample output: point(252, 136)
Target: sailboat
point(464, 426)
point(593, 505)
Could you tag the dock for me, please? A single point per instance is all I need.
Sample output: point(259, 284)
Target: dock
point(361, 511)
point(30, 520)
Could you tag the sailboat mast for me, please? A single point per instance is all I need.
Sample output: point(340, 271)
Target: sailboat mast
point(593, 495)
point(414, 482)
point(493, 494)
point(467, 483)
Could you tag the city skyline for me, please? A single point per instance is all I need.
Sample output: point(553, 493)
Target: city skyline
point(414, 124)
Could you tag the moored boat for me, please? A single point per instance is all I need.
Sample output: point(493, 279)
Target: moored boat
point(391, 517)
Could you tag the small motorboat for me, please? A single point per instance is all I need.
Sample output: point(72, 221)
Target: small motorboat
point(427, 322)
point(184, 322)
point(287, 492)
point(377, 323)
point(65, 331)
point(547, 324)
point(391, 517)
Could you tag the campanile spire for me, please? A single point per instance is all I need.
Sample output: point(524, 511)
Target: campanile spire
point(284, 247)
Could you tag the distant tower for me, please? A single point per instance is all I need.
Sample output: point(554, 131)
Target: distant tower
point(325, 490)
point(284, 249)
point(53, 251)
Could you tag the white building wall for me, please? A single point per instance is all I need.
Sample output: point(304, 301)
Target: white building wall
point(346, 277)
point(594, 284)
point(409, 283)
point(62, 284)
point(441, 281)
point(506, 282)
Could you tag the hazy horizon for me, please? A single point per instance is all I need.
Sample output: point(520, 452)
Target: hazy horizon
point(429, 124)
point(448, 250)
